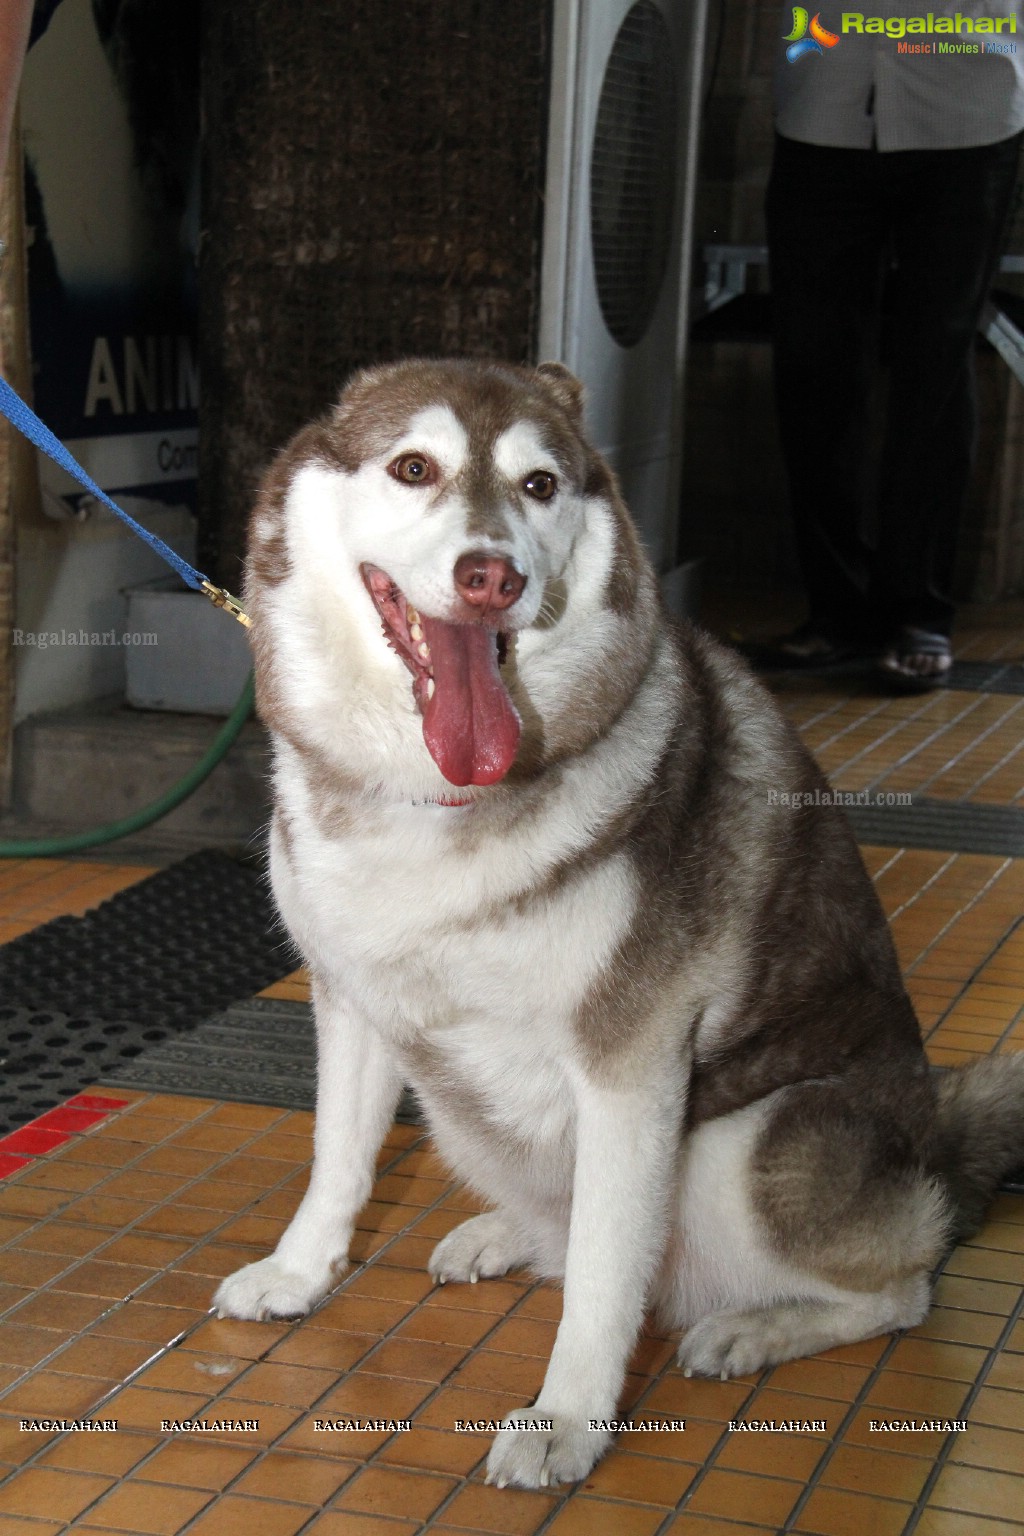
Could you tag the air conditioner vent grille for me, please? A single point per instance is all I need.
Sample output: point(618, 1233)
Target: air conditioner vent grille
point(633, 173)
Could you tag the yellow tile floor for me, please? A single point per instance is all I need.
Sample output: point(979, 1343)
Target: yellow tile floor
point(112, 1243)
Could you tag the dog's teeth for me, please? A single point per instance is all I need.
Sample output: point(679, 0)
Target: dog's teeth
point(423, 650)
point(415, 632)
point(431, 687)
point(411, 616)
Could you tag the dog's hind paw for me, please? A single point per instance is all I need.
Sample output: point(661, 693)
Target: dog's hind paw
point(540, 1457)
point(731, 1344)
point(266, 1290)
point(481, 1248)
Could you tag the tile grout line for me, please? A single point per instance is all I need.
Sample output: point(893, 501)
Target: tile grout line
point(65, 868)
point(949, 858)
point(945, 1453)
point(958, 757)
point(820, 715)
point(893, 859)
point(706, 1466)
point(814, 1482)
point(914, 718)
point(935, 736)
point(961, 912)
point(910, 719)
point(77, 1260)
point(401, 1153)
point(179, 1338)
point(857, 724)
point(120, 1302)
point(407, 1230)
point(309, 1409)
point(262, 1451)
point(975, 977)
point(462, 1480)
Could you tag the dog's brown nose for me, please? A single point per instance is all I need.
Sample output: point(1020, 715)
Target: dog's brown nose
point(487, 581)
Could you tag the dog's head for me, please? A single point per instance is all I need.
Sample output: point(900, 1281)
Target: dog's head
point(428, 547)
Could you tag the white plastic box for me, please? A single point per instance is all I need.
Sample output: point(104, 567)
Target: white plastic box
point(181, 653)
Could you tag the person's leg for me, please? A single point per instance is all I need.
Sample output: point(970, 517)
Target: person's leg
point(826, 240)
point(948, 210)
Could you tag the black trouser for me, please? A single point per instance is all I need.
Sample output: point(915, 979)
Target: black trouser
point(837, 221)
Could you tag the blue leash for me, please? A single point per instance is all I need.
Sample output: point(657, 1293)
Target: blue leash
point(29, 425)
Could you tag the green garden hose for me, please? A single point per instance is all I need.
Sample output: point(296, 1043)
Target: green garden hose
point(53, 847)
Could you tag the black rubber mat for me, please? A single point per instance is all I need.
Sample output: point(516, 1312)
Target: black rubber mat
point(83, 994)
point(262, 1051)
point(987, 676)
point(956, 825)
point(258, 1052)
point(964, 676)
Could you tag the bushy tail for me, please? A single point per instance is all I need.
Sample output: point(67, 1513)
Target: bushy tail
point(981, 1133)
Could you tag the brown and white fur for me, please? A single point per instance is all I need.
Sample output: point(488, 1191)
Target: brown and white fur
point(654, 1015)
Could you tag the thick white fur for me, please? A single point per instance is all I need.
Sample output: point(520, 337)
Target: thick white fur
point(410, 925)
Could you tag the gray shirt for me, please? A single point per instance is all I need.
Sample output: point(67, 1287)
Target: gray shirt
point(924, 89)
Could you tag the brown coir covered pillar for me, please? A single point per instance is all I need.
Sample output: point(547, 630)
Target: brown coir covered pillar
point(372, 189)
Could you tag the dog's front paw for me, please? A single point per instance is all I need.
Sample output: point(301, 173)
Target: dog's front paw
point(268, 1289)
point(730, 1344)
point(552, 1448)
point(484, 1246)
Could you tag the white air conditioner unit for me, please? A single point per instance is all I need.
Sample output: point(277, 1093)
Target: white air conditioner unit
point(615, 271)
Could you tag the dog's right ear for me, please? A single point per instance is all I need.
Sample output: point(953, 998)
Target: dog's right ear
point(565, 387)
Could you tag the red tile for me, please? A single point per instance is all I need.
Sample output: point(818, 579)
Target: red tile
point(28, 1139)
point(68, 1117)
point(96, 1101)
point(11, 1164)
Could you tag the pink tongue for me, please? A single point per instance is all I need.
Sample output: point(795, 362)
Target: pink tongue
point(470, 726)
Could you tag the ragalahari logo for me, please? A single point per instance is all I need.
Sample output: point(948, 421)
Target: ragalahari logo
point(800, 42)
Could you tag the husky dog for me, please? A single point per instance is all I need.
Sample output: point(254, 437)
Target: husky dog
point(528, 840)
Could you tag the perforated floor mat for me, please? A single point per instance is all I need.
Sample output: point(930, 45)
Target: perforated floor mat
point(81, 994)
point(987, 677)
point(259, 1052)
point(961, 826)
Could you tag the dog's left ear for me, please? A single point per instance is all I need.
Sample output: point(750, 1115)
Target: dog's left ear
point(565, 387)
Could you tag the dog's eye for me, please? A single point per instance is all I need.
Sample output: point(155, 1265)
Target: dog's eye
point(413, 469)
point(540, 484)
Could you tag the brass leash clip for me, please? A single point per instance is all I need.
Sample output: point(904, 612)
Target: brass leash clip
point(222, 599)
